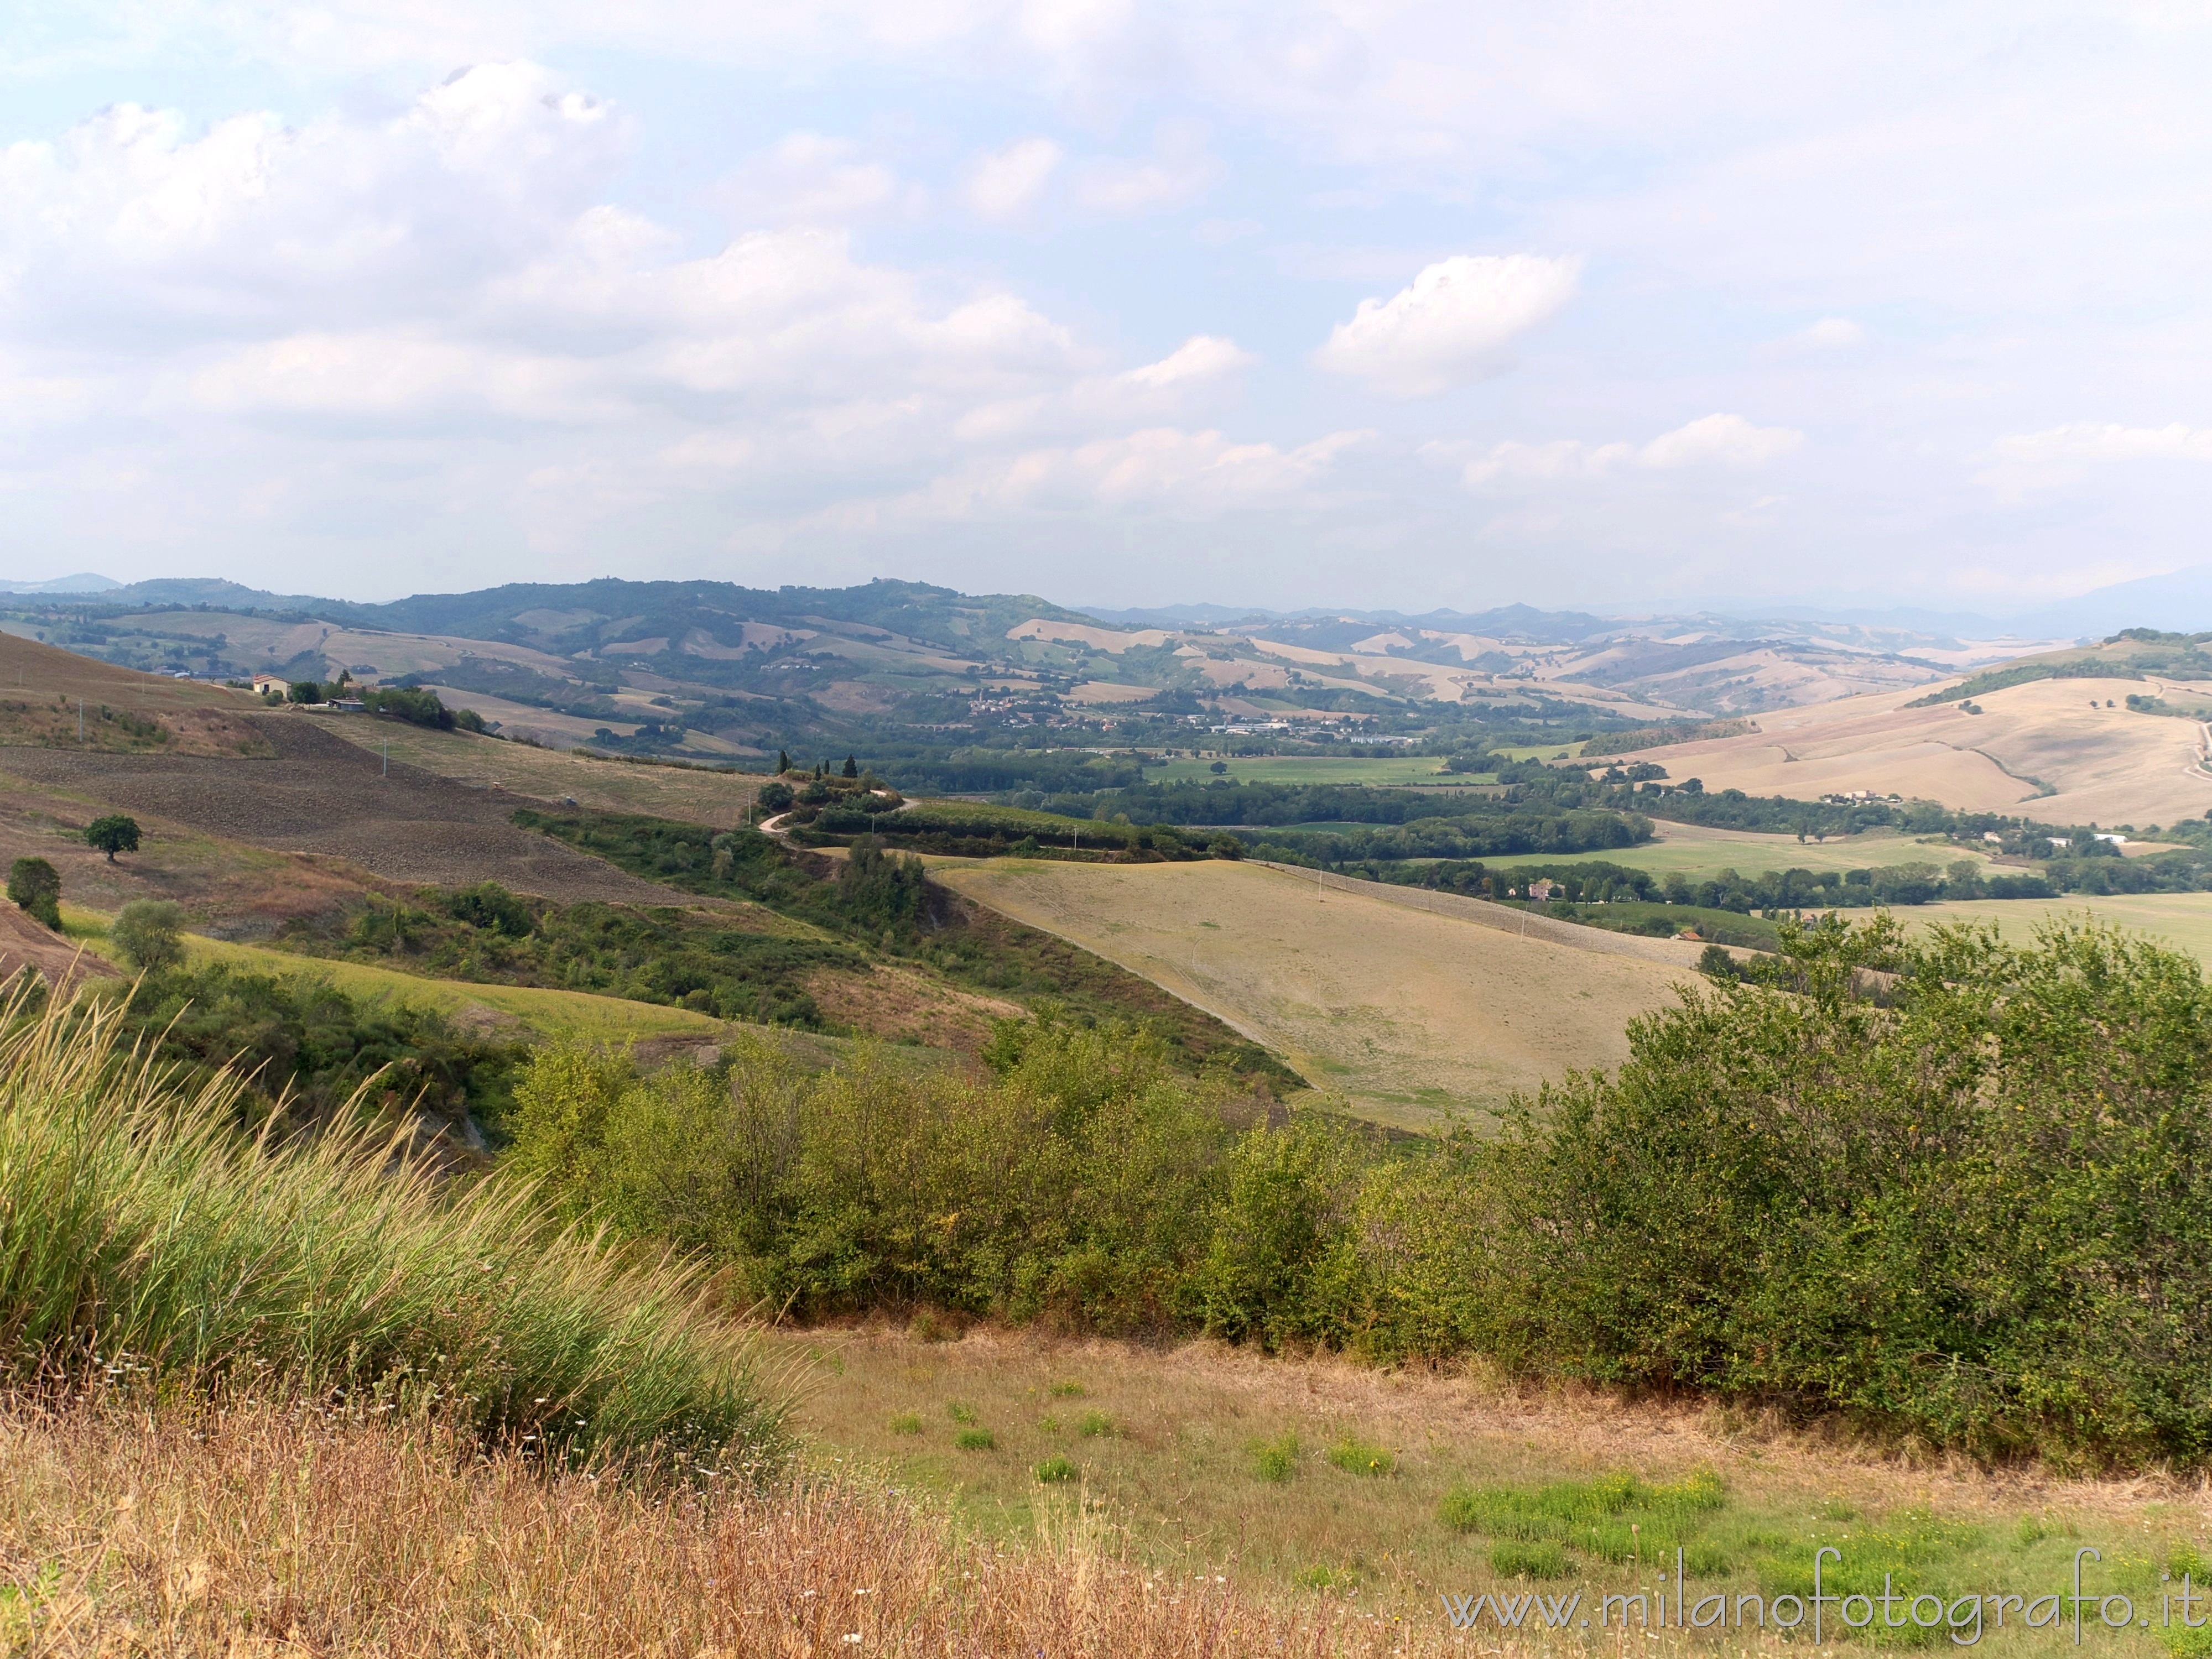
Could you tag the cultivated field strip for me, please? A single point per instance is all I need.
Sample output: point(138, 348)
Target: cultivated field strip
point(319, 793)
point(1522, 924)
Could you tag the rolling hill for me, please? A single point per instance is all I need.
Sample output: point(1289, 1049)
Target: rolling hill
point(718, 672)
point(2063, 746)
point(1410, 1013)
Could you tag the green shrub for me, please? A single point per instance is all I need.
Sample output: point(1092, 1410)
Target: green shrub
point(410, 703)
point(141, 1233)
point(906, 1423)
point(151, 933)
point(35, 887)
point(1054, 1470)
point(976, 1440)
point(1963, 1206)
point(1957, 1188)
point(1509, 1560)
point(1066, 1390)
point(1096, 1425)
point(1355, 1456)
point(960, 1412)
point(314, 1044)
point(1276, 1460)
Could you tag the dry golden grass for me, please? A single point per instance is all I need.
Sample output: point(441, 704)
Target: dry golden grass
point(1404, 1012)
point(264, 1530)
point(2041, 748)
point(41, 686)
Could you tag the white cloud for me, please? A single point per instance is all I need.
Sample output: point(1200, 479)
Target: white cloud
point(2026, 463)
point(1715, 440)
point(1451, 325)
point(1181, 170)
point(1829, 334)
point(2089, 441)
point(1202, 357)
point(810, 180)
point(1159, 468)
point(1006, 184)
point(1719, 441)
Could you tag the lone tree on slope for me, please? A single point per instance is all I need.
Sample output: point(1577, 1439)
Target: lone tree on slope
point(112, 833)
point(36, 886)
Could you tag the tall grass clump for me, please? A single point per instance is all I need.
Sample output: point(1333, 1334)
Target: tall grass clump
point(144, 1235)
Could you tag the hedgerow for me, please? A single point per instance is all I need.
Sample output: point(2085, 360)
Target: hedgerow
point(1958, 1189)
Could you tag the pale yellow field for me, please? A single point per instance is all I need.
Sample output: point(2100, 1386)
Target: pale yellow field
point(2041, 750)
point(1408, 1014)
point(2182, 920)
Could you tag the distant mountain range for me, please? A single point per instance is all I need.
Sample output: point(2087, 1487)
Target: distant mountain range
point(2179, 600)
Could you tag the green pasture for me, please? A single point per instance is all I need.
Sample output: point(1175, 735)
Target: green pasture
point(2182, 920)
point(548, 1012)
point(1702, 854)
point(1315, 769)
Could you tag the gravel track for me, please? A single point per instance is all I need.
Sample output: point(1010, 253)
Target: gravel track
point(320, 794)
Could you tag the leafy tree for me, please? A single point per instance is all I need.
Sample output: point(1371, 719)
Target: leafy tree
point(410, 703)
point(1716, 965)
point(775, 797)
point(36, 886)
point(149, 932)
point(852, 767)
point(305, 692)
point(783, 763)
point(488, 904)
point(111, 835)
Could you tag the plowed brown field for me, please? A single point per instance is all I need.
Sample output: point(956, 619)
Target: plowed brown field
point(317, 793)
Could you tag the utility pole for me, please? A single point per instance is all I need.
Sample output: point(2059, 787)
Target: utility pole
point(387, 757)
point(80, 720)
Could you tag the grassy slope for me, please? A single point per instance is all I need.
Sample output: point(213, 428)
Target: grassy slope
point(2182, 920)
point(548, 1012)
point(695, 795)
point(1701, 853)
point(1404, 1012)
point(983, 952)
point(1311, 768)
point(1177, 1471)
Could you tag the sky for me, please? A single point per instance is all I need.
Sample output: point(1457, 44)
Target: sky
point(1394, 304)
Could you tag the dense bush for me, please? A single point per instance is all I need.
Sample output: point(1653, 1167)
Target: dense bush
point(1962, 1190)
point(1979, 1206)
point(310, 1043)
point(413, 704)
point(151, 933)
point(486, 934)
point(35, 886)
point(1084, 1182)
